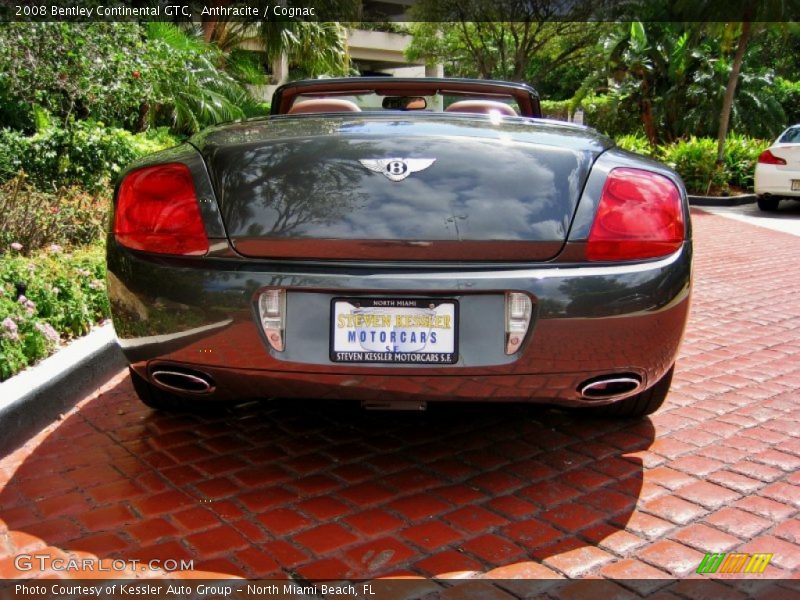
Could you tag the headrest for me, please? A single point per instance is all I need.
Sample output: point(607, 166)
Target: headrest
point(481, 106)
point(323, 105)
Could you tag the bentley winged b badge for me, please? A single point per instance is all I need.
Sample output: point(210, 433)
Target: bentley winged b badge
point(397, 169)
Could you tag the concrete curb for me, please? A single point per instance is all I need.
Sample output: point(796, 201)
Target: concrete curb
point(722, 200)
point(35, 397)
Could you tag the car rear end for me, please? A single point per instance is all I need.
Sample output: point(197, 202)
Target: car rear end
point(526, 262)
point(777, 172)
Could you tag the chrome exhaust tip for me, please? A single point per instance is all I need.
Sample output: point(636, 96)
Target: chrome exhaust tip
point(610, 387)
point(185, 382)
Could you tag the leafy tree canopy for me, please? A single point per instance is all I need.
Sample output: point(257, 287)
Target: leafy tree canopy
point(70, 69)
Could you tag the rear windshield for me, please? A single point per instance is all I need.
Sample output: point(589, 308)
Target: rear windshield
point(792, 136)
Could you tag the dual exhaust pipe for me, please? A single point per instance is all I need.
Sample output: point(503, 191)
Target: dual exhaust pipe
point(607, 387)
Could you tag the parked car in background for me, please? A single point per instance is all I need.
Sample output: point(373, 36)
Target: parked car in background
point(778, 170)
point(400, 241)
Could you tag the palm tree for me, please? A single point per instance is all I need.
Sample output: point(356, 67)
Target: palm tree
point(189, 86)
point(316, 47)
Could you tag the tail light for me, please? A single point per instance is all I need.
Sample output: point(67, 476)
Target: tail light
point(639, 216)
point(518, 317)
point(272, 310)
point(157, 211)
point(768, 158)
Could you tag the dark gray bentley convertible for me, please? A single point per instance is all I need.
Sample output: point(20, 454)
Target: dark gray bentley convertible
point(399, 241)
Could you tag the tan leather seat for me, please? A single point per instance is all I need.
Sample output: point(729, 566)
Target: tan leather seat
point(481, 107)
point(323, 105)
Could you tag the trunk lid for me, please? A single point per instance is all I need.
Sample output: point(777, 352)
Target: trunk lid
point(315, 188)
point(790, 153)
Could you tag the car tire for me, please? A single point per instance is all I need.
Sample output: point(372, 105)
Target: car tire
point(642, 404)
point(768, 204)
point(156, 398)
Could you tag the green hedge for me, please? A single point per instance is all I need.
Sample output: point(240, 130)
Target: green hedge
point(47, 298)
point(695, 160)
point(612, 115)
point(556, 109)
point(87, 153)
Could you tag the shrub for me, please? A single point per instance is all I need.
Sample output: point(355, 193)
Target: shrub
point(741, 155)
point(35, 219)
point(613, 115)
point(695, 160)
point(638, 144)
point(49, 297)
point(556, 109)
point(87, 153)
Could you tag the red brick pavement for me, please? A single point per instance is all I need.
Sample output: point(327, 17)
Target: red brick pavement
point(315, 490)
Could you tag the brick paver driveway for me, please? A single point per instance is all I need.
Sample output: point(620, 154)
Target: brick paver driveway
point(310, 490)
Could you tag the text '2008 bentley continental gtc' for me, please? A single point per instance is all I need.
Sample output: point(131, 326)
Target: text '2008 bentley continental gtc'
point(401, 241)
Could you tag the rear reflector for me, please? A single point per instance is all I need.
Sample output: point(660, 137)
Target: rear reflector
point(768, 158)
point(157, 212)
point(639, 216)
point(272, 312)
point(518, 317)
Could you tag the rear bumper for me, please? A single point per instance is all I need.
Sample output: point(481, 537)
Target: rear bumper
point(588, 321)
point(775, 181)
point(241, 384)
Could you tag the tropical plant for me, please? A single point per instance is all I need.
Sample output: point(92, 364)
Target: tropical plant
point(788, 94)
point(312, 47)
point(640, 65)
point(186, 85)
point(675, 76)
point(757, 111)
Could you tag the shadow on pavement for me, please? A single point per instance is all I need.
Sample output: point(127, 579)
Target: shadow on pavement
point(326, 490)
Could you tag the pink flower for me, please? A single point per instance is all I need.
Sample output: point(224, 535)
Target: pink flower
point(10, 330)
point(48, 331)
point(51, 333)
point(30, 306)
point(54, 248)
point(16, 246)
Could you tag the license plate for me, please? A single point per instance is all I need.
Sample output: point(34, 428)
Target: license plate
point(394, 330)
point(796, 185)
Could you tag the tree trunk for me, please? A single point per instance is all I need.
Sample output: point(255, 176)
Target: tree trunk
point(730, 90)
point(144, 110)
point(646, 109)
point(209, 24)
